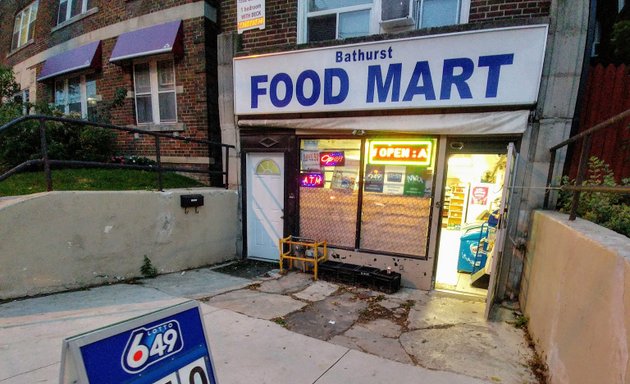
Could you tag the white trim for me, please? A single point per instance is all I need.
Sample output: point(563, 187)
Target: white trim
point(464, 10)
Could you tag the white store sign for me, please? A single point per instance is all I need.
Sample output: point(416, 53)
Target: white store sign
point(250, 14)
point(480, 68)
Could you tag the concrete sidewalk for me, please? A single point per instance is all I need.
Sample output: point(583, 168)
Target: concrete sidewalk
point(245, 349)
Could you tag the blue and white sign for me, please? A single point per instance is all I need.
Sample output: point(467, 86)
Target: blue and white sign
point(479, 68)
point(168, 347)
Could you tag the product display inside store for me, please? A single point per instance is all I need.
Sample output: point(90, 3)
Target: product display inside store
point(474, 185)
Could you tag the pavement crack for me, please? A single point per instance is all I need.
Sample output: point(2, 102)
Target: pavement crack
point(331, 367)
point(31, 370)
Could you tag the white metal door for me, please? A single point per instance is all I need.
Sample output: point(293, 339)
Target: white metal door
point(497, 254)
point(265, 204)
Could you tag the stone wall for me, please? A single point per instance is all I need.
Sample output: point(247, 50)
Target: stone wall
point(576, 292)
point(65, 240)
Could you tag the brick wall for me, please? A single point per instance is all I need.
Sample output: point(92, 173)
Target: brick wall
point(280, 28)
point(486, 10)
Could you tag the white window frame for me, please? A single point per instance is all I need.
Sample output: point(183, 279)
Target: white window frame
point(30, 16)
point(69, 4)
point(375, 19)
point(82, 91)
point(304, 15)
point(155, 92)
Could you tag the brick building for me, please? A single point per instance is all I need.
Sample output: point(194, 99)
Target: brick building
point(400, 131)
point(158, 57)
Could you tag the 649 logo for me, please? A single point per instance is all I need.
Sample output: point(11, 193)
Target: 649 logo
point(147, 346)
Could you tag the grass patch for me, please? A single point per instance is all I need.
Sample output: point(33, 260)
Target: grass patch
point(92, 179)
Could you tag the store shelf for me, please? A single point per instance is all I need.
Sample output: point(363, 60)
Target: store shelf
point(457, 205)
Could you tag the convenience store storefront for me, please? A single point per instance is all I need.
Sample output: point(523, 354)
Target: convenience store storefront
point(352, 144)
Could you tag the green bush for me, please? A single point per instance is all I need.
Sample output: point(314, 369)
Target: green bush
point(65, 142)
point(610, 210)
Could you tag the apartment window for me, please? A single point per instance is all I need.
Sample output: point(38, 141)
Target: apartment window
point(339, 19)
point(71, 8)
point(436, 13)
point(24, 26)
point(76, 95)
point(154, 86)
point(329, 20)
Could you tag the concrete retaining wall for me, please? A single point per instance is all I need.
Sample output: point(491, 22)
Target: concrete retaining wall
point(576, 293)
point(62, 240)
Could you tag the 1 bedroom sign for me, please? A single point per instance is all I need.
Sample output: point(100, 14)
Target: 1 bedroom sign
point(478, 68)
point(168, 346)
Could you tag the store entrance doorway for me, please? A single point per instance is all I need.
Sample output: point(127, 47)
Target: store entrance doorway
point(475, 191)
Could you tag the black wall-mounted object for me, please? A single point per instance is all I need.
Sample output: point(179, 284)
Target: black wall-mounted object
point(191, 201)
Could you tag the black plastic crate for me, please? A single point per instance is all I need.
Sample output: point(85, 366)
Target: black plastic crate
point(364, 276)
point(328, 270)
point(347, 273)
point(386, 282)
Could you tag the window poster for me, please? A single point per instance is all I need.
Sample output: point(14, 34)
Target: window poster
point(394, 180)
point(250, 14)
point(414, 181)
point(343, 181)
point(374, 178)
point(310, 160)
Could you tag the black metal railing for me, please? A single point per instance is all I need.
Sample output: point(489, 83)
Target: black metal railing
point(586, 139)
point(158, 168)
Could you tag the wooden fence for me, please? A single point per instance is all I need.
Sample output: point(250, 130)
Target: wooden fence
point(607, 94)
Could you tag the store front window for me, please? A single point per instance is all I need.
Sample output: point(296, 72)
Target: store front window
point(387, 189)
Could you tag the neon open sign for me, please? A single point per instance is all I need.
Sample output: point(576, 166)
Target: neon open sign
point(332, 159)
point(417, 152)
point(312, 180)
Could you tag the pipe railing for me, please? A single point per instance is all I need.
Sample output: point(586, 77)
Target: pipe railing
point(586, 139)
point(159, 168)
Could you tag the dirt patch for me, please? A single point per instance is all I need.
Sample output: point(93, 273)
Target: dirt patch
point(248, 269)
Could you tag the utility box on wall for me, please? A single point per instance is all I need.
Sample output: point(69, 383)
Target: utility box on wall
point(191, 201)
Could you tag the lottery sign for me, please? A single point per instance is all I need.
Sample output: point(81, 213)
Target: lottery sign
point(164, 347)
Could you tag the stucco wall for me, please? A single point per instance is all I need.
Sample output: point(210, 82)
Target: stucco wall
point(577, 295)
point(61, 240)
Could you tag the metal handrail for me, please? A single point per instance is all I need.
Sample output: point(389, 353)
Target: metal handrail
point(586, 137)
point(157, 135)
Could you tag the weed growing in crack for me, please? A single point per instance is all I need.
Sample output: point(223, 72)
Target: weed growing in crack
point(280, 321)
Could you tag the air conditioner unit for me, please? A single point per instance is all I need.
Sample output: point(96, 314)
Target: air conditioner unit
point(397, 14)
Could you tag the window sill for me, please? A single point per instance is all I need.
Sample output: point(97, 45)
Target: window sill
point(74, 19)
point(172, 127)
point(18, 49)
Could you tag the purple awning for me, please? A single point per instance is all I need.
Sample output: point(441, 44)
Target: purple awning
point(83, 57)
point(162, 38)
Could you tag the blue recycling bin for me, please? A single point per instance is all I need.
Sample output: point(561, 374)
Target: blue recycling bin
point(471, 258)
